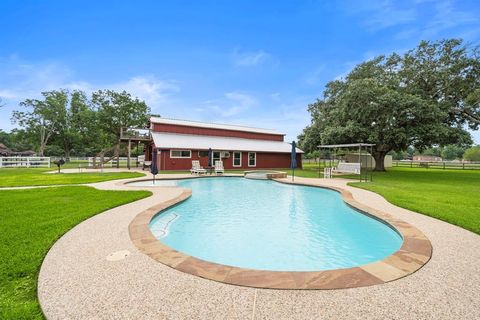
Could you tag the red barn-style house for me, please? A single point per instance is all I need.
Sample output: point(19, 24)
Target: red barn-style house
point(178, 142)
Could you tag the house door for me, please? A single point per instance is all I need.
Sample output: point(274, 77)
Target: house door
point(215, 157)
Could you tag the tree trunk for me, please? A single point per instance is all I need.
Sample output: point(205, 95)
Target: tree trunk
point(379, 157)
point(67, 154)
point(41, 149)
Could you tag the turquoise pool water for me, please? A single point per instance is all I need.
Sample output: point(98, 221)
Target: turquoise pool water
point(267, 225)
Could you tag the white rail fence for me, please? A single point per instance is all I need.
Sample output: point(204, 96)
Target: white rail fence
point(122, 161)
point(25, 162)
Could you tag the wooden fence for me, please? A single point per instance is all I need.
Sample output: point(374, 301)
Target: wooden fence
point(465, 165)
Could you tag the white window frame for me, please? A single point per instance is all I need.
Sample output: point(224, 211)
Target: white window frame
point(233, 159)
point(173, 157)
point(255, 164)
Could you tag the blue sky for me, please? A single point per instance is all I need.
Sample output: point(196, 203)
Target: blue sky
point(257, 63)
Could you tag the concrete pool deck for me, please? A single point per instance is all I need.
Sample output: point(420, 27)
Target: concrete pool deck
point(95, 271)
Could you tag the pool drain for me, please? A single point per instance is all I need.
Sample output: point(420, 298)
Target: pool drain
point(118, 255)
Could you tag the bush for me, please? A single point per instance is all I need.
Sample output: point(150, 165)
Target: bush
point(452, 152)
point(472, 154)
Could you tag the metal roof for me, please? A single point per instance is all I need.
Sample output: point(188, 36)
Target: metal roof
point(199, 142)
point(199, 124)
point(346, 145)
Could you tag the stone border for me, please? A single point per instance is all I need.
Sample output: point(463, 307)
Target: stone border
point(415, 252)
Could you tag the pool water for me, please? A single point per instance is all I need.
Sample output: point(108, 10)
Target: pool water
point(267, 225)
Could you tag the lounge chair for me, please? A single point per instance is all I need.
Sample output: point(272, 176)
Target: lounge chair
point(196, 168)
point(219, 167)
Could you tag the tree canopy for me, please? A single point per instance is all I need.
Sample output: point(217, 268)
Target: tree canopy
point(67, 122)
point(421, 98)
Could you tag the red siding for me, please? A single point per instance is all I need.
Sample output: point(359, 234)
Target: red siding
point(160, 127)
point(264, 161)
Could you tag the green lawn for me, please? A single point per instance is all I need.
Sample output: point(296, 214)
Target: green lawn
point(449, 195)
point(13, 177)
point(31, 221)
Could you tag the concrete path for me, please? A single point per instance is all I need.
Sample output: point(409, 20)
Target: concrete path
point(95, 272)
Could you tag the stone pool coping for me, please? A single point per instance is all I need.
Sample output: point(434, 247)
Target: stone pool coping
point(415, 252)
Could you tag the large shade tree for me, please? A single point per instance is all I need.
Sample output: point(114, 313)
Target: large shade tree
point(422, 98)
point(61, 120)
point(117, 111)
point(42, 117)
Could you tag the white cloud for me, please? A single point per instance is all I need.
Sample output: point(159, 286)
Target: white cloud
point(417, 19)
point(314, 77)
point(275, 96)
point(447, 16)
point(388, 15)
point(289, 117)
point(21, 79)
point(154, 91)
point(380, 14)
point(232, 104)
point(248, 59)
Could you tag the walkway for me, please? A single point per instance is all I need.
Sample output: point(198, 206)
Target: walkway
point(95, 272)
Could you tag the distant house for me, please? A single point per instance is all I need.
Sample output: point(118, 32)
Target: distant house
point(178, 142)
point(427, 158)
point(4, 151)
point(26, 153)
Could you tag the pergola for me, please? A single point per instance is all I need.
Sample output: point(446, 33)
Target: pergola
point(356, 167)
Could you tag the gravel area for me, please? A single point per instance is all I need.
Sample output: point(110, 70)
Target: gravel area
point(95, 272)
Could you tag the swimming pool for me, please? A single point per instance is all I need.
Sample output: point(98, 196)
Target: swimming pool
point(266, 225)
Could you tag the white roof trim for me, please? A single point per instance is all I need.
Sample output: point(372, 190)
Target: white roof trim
point(198, 142)
point(212, 125)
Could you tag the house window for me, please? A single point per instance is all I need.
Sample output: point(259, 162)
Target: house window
point(203, 154)
point(252, 159)
point(237, 159)
point(180, 153)
point(215, 157)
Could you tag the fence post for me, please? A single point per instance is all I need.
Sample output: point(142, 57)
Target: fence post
point(443, 165)
point(1, 162)
point(463, 165)
point(49, 162)
point(411, 163)
point(28, 162)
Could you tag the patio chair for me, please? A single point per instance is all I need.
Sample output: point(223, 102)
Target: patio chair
point(219, 167)
point(196, 168)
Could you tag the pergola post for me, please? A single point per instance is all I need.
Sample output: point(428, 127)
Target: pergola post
point(129, 151)
point(360, 160)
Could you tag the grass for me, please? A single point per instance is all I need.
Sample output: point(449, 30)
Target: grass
point(18, 177)
point(31, 221)
point(448, 195)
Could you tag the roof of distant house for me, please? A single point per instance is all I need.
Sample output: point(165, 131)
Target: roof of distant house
point(189, 123)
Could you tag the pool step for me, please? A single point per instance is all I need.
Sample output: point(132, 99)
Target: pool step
point(160, 228)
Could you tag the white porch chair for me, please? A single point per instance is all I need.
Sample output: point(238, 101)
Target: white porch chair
point(219, 167)
point(196, 168)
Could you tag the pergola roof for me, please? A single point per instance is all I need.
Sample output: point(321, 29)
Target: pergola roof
point(346, 145)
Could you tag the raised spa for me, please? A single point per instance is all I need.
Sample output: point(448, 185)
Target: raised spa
point(267, 225)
